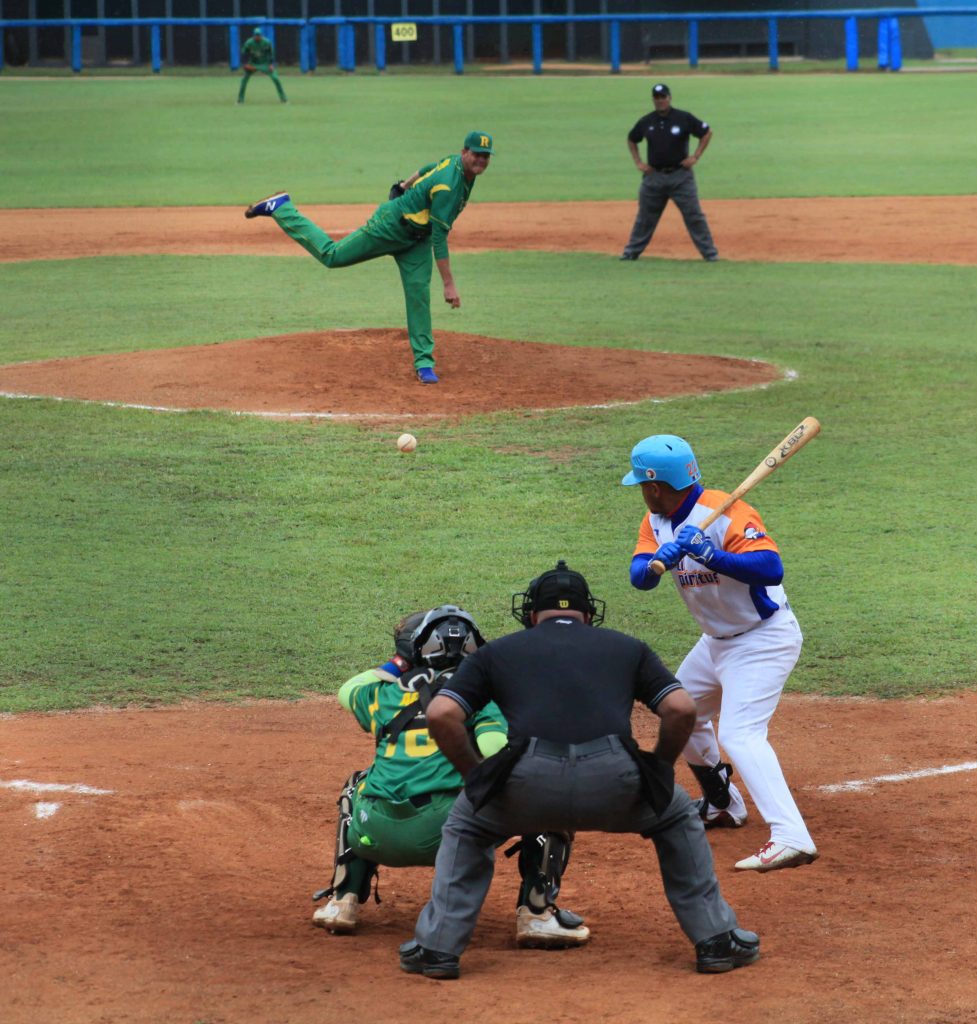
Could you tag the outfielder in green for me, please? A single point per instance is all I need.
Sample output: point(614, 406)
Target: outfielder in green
point(392, 813)
point(412, 226)
point(259, 55)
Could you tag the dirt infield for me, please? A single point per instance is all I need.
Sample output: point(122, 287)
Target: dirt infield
point(888, 229)
point(182, 893)
point(295, 374)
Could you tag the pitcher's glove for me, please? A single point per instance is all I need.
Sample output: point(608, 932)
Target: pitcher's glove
point(396, 190)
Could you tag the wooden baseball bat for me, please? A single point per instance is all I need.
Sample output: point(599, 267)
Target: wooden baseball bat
point(807, 429)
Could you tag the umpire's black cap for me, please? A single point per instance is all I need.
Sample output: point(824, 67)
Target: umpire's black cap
point(661, 90)
point(560, 589)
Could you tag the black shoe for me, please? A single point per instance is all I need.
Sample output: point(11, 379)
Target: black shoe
point(627, 256)
point(727, 950)
point(415, 959)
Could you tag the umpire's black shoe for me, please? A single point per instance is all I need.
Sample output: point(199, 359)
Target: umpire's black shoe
point(415, 959)
point(627, 256)
point(727, 950)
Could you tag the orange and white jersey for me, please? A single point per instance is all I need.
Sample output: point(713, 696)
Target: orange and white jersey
point(722, 606)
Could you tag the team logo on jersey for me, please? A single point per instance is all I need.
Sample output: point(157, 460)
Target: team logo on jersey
point(752, 533)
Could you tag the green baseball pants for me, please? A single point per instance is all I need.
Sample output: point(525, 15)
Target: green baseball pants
point(396, 835)
point(383, 235)
point(265, 69)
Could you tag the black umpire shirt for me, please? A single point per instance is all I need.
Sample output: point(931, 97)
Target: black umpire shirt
point(563, 681)
point(667, 136)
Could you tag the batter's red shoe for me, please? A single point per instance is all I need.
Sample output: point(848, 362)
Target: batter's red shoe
point(773, 856)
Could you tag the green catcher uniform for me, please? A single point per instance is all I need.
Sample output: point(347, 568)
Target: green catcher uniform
point(412, 228)
point(398, 808)
point(259, 55)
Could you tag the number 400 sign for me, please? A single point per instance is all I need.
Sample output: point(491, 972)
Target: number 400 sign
point(403, 32)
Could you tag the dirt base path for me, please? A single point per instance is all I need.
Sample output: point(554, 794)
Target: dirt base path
point(920, 229)
point(180, 891)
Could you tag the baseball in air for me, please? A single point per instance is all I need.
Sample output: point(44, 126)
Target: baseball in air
point(406, 442)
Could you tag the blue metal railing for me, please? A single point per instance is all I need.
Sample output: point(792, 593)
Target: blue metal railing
point(889, 46)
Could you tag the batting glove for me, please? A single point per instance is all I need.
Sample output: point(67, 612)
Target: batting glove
point(695, 543)
point(669, 554)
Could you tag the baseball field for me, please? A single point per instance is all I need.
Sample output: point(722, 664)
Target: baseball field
point(207, 526)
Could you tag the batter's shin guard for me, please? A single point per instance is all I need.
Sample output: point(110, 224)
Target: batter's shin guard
point(343, 855)
point(715, 783)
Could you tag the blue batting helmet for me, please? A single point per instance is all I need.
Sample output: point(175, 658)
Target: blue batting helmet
point(663, 458)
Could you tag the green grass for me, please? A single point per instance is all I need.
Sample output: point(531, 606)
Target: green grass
point(202, 554)
point(184, 141)
point(155, 557)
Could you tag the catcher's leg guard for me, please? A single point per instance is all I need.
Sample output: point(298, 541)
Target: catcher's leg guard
point(542, 860)
point(350, 873)
point(715, 783)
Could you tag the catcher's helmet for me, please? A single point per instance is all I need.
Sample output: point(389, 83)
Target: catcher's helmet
point(663, 458)
point(560, 588)
point(444, 636)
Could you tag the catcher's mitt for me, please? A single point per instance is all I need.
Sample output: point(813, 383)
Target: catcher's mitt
point(250, 67)
point(396, 190)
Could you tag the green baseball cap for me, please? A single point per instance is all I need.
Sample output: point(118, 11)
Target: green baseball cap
point(479, 142)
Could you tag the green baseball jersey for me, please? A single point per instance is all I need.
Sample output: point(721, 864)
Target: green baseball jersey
point(413, 764)
point(435, 200)
point(258, 50)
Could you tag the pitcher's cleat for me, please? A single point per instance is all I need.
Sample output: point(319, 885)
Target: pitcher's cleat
point(266, 207)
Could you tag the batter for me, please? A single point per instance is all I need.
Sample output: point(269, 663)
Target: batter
point(730, 577)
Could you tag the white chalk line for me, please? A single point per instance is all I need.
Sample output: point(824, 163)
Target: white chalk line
point(27, 786)
point(264, 414)
point(858, 785)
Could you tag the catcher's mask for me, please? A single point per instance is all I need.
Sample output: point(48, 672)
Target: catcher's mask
point(444, 636)
point(560, 588)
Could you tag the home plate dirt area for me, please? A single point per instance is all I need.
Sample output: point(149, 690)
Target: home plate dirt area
point(158, 867)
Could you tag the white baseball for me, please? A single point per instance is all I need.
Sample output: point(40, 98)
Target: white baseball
point(406, 442)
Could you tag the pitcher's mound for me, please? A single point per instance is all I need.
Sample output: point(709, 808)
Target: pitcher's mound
point(369, 373)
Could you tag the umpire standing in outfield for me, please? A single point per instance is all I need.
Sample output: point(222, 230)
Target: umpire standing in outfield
point(667, 174)
point(567, 691)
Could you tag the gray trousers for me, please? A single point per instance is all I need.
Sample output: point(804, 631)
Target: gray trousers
point(594, 791)
point(653, 195)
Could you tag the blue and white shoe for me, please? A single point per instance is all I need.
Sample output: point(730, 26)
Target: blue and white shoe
point(266, 207)
point(426, 375)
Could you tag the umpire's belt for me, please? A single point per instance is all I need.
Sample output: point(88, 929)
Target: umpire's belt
point(667, 169)
point(544, 748)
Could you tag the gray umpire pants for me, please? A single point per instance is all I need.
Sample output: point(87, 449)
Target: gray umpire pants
point(653, 195)
point(593, 787)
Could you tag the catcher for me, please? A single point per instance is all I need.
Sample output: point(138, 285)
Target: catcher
point(259, 55)
point(392, 812)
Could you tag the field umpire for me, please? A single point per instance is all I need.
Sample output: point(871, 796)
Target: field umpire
point(668, 174)
point(571, 763)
